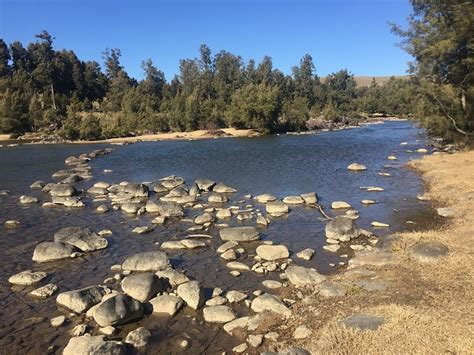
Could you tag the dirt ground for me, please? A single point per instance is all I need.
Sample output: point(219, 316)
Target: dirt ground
point(427, 307)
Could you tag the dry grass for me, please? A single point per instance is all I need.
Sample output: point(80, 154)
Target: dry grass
point(428, 307)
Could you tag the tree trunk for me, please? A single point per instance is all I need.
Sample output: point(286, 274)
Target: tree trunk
point(52, 95)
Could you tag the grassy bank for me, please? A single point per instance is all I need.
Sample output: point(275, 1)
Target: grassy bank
point(427, 307)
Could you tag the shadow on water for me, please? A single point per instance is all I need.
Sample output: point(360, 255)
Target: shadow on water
point(281, 165)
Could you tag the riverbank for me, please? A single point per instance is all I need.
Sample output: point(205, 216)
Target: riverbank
point(193, 135)
point(401, 299)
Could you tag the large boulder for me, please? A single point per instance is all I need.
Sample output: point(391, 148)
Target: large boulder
point(299, 275)
point(147, 261)
point(191, 293)
point(342, 229)
point(93, 345)
point(272, 252)
point(63, 190)
point(50, 251)
point(81, 300)
point(166, 304)
point(117, 310)
point(82, 238)
point(276, 209)
point(142, 286)
point(239, 234)
point(270, 303)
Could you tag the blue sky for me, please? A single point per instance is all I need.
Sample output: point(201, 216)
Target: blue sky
point(352, 34)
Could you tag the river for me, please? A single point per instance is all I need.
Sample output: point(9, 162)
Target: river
point(282, 165)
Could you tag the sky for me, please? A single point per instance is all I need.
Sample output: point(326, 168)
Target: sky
point(351, 34)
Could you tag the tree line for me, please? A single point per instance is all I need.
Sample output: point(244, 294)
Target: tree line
point(48, 90)
point(42, 89)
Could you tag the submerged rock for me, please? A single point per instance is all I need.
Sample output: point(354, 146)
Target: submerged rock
point(24, 199)
point(62, 190)
point(239, 234)
point(222, 188)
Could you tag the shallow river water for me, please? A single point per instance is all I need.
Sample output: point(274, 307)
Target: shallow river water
point(282, 165)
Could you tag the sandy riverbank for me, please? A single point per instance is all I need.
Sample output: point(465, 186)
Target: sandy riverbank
point(193, 135)
point(426, 307)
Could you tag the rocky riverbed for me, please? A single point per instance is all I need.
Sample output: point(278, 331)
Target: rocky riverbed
point(135, 298)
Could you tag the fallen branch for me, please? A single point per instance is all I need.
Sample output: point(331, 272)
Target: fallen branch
point(320, 208)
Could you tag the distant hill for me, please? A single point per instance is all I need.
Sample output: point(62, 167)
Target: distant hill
point(366, 80)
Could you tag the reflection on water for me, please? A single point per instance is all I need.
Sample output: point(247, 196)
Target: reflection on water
point(281, 165)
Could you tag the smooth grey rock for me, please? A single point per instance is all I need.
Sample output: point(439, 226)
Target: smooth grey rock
point(81, 300)
point(191, 293)
point(265, 198)
point(299, 275)
point(270, 303)
point(39, 184)
point(205, 184)
point(272, 252)
point(239, 234)
point(204, 218)
point(44, 291)
point(426, 252)
point(147, 261)
point(117, 310)
point(166, 209)
point(364, 321)
point(50, 251)
point(62, 190)
point(342, 229)
point(172, 276)
point(310, 198)
point(24, 199)
point(167, 304)
point(331, 289)
point(93, 345)
point(138, 337)
point(217, 198)
point(142, 286)
point(27, 278)
point(306, 254)
point(218, 314)
point(222, 188)
point(276, 209)
point(136, 190)
point(83, 238)
point(445, 212)
point(293, 200)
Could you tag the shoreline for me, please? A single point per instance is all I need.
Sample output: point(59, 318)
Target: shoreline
point(192, 135)
point(406, 303)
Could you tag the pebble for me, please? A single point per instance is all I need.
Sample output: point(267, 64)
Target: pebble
point(58, 321)
point(301, 332)
point(255, 340)
point(240, 348)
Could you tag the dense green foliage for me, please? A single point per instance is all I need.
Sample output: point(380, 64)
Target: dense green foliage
point(441, 39)
point(42, 89)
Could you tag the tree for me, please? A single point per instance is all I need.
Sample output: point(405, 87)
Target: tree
point(4, 59)
point(440, 39)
